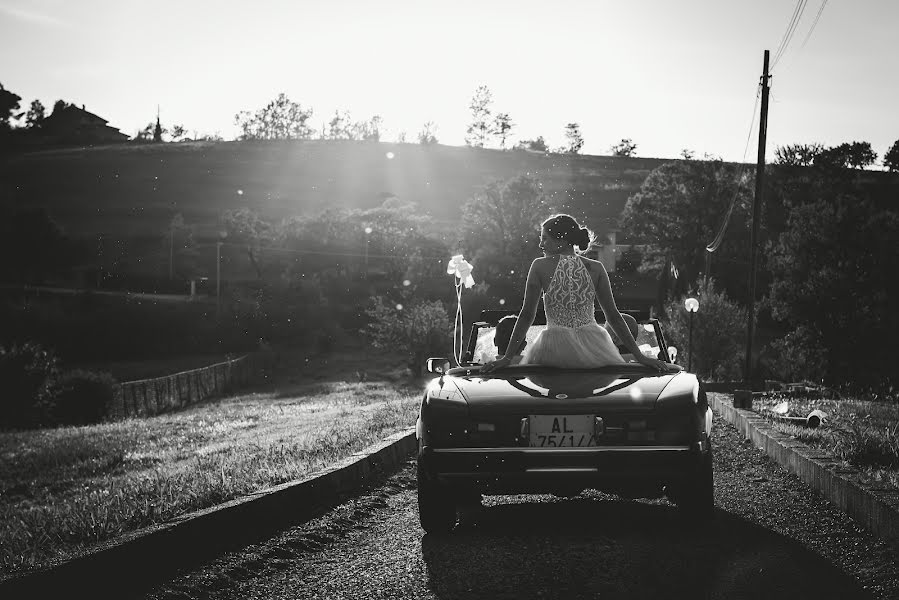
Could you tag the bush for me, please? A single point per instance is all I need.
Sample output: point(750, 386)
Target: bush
point(81, 398)
point(719, 329)
point(26, 371)
point(419, 329)
point(797, 356)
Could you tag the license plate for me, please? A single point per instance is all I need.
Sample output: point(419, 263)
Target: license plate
point(561, 431)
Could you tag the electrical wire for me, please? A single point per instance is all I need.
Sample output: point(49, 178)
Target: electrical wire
point(791, 30)
point(814, 23)
point(720, 236)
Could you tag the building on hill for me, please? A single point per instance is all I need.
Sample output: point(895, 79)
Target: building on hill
point(73, 125)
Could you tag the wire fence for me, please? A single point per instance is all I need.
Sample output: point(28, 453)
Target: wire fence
point(148, 397)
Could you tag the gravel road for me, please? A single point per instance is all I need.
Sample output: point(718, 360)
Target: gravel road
point(773, 537)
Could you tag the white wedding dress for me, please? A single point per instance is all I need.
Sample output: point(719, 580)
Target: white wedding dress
point(572, 338)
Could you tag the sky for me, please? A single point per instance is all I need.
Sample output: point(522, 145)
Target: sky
point(668, 74)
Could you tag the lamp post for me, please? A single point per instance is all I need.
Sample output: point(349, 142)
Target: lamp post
point(692, 306)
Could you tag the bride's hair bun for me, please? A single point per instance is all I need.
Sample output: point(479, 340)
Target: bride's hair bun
point(581, 238)
point(565, 227)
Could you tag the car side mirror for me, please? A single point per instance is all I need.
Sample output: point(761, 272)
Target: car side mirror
point(438, 366)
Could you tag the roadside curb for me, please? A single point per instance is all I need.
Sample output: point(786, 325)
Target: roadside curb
point(138, 559)
point(875, 507)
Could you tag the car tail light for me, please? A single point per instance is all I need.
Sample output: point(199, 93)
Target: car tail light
point(674, 430)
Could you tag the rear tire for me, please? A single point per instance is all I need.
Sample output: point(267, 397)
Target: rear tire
point(436, 507)
point(696, 497)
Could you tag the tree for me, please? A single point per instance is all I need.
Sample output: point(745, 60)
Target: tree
point(719, 331)
point(178, 133)
point(891, 157)
point(36, 114)
point(501, 231)
point(158, 131)
point(687, 154)
point(145, 134)
point(9, 104)
point(833, 275)
point(503, 125)
point(679, 210)
point(59, 106)
point(245, 227)
point(626, 147)
point(797, 155)
point(370, 130)
point(537, 145)
point(855, 155)
point(428, 134)
point(481, 127)
point(339, 127)
point(33, 246)
point(280, 119)
point(574, 137)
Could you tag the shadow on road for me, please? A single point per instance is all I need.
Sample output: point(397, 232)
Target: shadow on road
point(589, 547)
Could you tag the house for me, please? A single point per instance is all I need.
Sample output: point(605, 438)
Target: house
point(72, 125)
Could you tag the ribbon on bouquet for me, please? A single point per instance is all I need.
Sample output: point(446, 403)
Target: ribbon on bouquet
point(462, 269)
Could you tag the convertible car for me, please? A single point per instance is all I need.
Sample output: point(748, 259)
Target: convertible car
point(624, 429)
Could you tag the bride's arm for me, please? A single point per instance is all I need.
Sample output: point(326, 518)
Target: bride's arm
point(613, 316)
point(532, 290)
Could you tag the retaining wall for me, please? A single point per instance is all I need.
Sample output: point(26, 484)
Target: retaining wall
point(147, 397)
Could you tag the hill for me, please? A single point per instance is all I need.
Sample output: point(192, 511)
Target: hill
point(134, 190)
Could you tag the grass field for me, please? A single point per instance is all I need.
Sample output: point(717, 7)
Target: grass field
point(863, 433)
point(62, 490)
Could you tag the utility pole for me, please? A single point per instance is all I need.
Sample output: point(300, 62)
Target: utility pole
point(218, 278)
point(756, 209)
point(171, 251)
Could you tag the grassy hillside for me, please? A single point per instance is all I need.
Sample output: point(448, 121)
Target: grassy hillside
point(127, 191)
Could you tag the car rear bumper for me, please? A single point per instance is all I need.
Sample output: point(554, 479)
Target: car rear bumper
point(524, 469)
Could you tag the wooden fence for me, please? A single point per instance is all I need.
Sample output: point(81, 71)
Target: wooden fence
point(147, 397)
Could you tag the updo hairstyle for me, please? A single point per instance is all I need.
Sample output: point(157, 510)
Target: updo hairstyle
point(564, 227)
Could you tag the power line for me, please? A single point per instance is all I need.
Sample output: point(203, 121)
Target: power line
point(814, 23)
point(720, 236)
point(791, 30)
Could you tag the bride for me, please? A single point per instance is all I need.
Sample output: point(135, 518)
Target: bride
point(571, 285)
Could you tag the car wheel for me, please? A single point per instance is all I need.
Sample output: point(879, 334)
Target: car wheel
point(697, 496)
point(436, 508)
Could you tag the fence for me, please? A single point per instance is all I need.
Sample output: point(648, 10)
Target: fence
point(147, 397)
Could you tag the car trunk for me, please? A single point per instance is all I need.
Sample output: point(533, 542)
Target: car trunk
point(562, 393)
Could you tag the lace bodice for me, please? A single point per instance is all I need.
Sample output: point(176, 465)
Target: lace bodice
point(570, 297)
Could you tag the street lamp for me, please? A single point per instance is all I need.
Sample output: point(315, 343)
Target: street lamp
point(692, 306)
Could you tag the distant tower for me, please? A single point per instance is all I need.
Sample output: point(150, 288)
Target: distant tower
point(157, 133)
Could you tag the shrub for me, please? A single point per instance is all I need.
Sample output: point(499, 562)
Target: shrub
point(797, 356)
point(25, 374)
point(418, 330)
point(719, 329)
point(81, 398)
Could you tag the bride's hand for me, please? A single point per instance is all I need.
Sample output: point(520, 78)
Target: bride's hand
point(658, 365)
point(493, 365)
